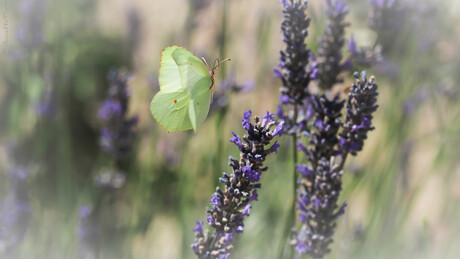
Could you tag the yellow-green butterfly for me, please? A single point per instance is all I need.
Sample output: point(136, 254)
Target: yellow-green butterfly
point(186, 89)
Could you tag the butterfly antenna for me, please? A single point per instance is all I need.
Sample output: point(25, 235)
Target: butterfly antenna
point(216, 66)
point(205, 62)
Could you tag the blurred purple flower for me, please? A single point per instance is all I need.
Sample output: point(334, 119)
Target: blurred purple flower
point(387, 18)
point(15, 210)
point(88, 233)
point(29, 31)
point(108, 179)
point(331, 44)
point(117, 135)
point(413, 102)
point(365, 56)
point(46, 107)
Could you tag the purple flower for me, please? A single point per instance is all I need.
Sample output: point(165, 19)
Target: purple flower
point(294, 59)
point(301, 147)
point(236, 140)
point(363, 56)
point(199, 228)
point(209, 220)
point(268, 117)
point(352, 46)
point(280, 112)
point(231, 205)
point(360, 106)
point(279, 130)
point(386, 18)
point(318, 210)
point(323, 136)
point(88, 232)
point(246, 122)
point(301, 248)
point(305, 171)
point(109, 109)
point(331, 44)
point(274, 147)
point(254, 196)
point(117, 135)
point(215, 201)
point(285, 3)
point(297, 68)
point(247, 210)
point(284, 99)
point(46, 107)
point(277, 73)
point(250, 174)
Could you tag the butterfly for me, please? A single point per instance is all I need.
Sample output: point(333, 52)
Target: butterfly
point(186, 90)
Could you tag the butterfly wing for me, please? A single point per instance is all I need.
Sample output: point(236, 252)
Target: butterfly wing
point(196, 80)
point(169, 77)
point(171, 110)
point(199, 106)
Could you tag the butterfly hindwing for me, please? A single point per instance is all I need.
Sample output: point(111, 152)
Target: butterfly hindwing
point(199, 107)
point(171, 110)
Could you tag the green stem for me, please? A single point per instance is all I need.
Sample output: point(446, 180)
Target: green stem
point(290, 221)
point(294, 175)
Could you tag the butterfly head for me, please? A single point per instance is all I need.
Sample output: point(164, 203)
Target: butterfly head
point(215, 66)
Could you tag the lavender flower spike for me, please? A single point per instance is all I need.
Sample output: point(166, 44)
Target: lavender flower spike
point(294, 59)
point(386, 18)
point(331, 44)
point(297, 68)
point(360, 106)
point(230, 205)
point(318, 209)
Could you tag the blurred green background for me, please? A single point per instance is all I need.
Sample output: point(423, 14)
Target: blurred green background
point(402, 191)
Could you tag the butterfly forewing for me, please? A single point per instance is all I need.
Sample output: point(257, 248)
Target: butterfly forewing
point(193, 73)
point(169, 77)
